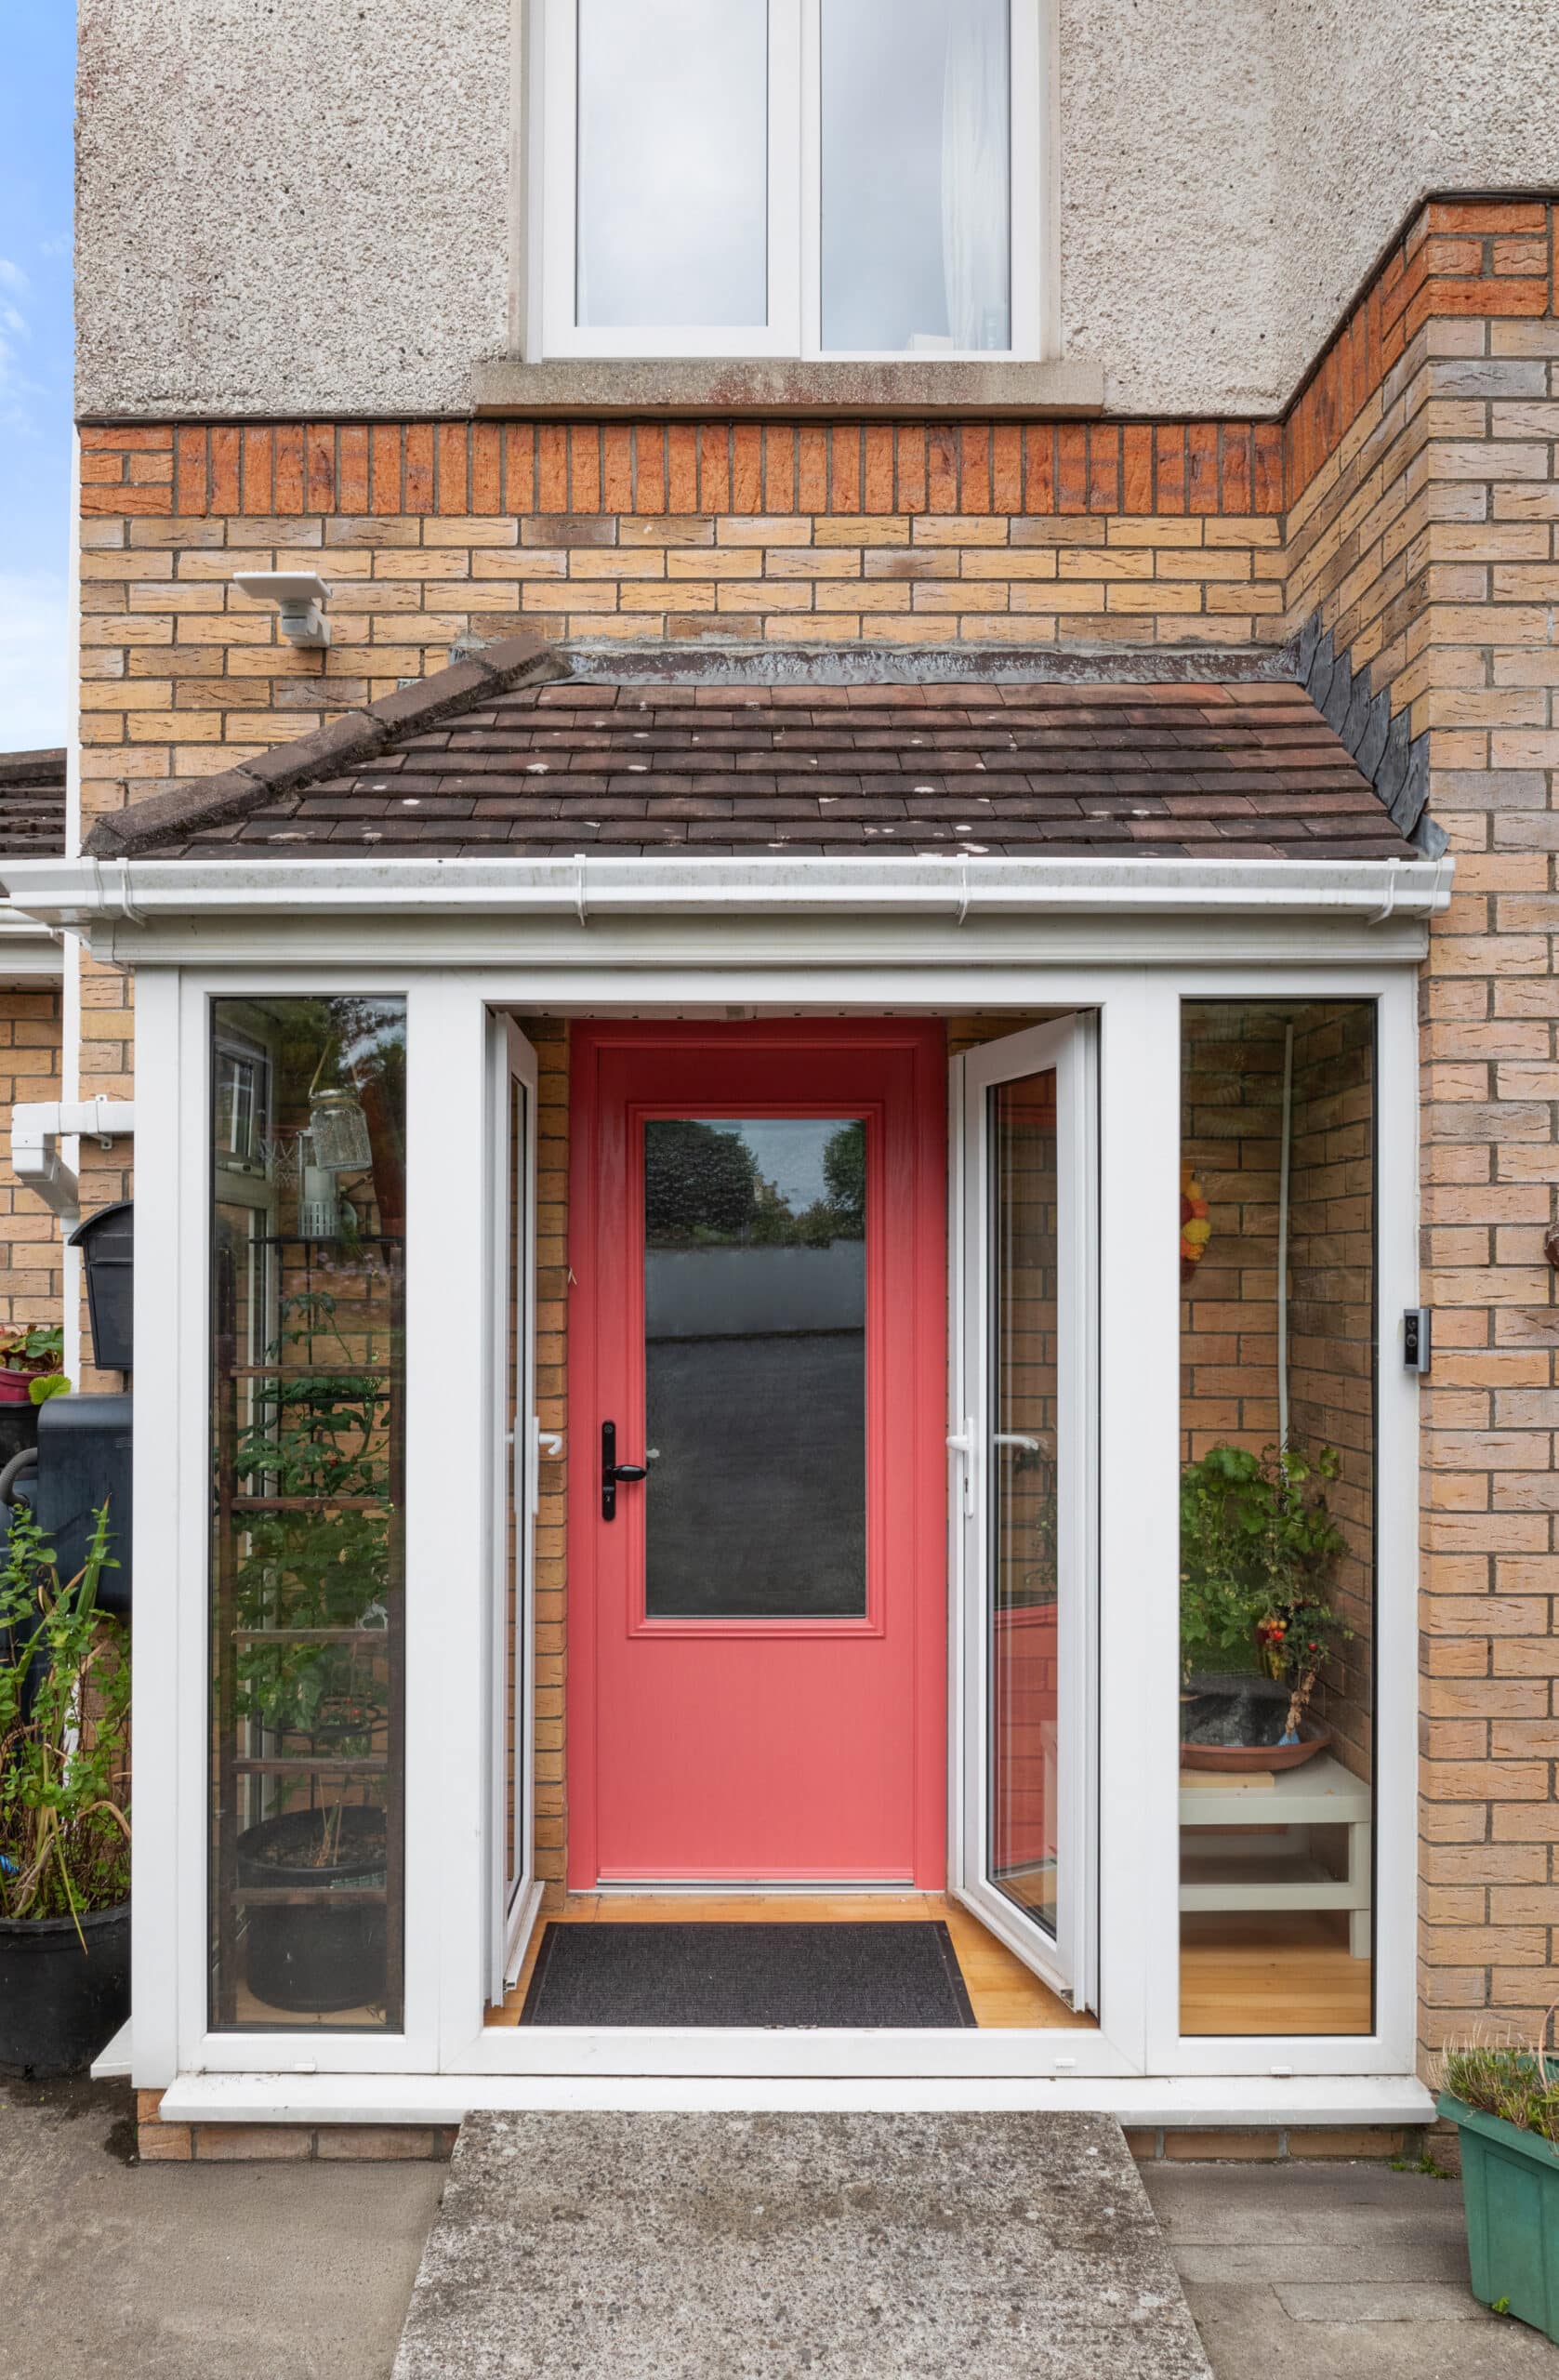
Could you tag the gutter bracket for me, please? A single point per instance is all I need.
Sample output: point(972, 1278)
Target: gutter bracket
point(1383, 914)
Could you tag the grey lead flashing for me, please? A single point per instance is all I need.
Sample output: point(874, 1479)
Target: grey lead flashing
point(874, 665)
point(1386, 752)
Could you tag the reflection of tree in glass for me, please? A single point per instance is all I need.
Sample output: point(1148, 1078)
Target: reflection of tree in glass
point(844, 1170)
point(700, 1183)
point(321, 1571)
point(703, 1189)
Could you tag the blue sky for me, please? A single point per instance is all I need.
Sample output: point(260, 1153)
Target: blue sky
point(37, 101)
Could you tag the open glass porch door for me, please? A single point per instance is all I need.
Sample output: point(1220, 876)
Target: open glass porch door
point(1025, 1642)
point(514, 1888)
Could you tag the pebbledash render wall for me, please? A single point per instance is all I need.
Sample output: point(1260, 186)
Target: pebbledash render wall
point(239, 165)
point(1408, 500)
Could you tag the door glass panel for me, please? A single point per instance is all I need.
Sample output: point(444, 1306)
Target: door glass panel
point(916, 178)
point(1278, 1360)
point(516, 1422)
point(1024, 1509)
point(755, 1365)
point(308, 1452)
point(673, 162)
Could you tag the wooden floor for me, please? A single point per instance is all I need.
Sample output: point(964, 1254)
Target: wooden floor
point(1264, 1975)
point(1237, 1974)
point(1001, 1989)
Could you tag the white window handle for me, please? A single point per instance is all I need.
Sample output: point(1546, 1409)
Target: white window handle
point(961, 1443)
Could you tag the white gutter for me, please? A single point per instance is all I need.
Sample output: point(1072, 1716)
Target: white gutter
point(27, 947)
point(84, 892)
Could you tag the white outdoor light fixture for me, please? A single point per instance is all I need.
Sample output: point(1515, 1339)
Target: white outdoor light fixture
point(300, 597)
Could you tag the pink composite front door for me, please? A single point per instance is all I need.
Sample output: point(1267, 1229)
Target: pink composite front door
point(757, 1477)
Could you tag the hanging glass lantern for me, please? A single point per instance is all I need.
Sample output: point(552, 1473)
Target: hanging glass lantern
point(338, 1126)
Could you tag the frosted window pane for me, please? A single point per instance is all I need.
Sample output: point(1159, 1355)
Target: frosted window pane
point(673, 162)
point(916, 175)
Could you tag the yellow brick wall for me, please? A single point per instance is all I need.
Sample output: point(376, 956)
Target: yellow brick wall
point(31, 1269)
point(1427, 540)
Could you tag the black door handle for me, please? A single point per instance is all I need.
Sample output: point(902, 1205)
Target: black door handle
point(611, 1470)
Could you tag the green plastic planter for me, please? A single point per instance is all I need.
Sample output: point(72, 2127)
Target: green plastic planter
point(1509, 2186)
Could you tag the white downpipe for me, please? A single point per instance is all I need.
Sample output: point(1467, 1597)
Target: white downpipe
point(70, 977)
point(1283, 1234)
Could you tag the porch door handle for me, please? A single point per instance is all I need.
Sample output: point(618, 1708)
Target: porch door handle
point(613, 1472)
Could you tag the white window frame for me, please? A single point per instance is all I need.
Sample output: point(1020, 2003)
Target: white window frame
point(548, 45)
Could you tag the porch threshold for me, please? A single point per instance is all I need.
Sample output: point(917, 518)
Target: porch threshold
point(1184, 2103)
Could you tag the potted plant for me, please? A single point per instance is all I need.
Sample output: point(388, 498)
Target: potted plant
point(29, 1375)
point(1504, 2103)
point(64, 1812)
point(311, 1589)
point(30, 1366)
point(1258, 1548)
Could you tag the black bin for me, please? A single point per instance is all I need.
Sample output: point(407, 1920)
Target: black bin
point(107, 1240)
point(84, 1458)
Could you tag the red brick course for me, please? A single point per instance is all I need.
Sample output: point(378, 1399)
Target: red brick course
point(487, 469)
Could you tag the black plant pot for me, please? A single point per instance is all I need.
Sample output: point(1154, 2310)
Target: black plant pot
point(307, 1956)
point(61, 2005)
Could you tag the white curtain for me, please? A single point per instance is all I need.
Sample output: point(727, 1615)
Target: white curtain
point(975, 129)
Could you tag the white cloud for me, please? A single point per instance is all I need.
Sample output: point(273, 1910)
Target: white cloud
point(34, 635)
point(15, 386)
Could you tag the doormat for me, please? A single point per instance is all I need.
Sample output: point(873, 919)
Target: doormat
point(875, 1975)
point(758, 2247)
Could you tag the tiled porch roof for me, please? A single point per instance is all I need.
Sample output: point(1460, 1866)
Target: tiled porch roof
point(33, 802)
point(532, 763)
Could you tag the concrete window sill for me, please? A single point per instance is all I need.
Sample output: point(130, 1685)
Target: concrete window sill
point(920, 389)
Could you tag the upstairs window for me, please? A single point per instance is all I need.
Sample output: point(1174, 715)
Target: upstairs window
point(849, 178)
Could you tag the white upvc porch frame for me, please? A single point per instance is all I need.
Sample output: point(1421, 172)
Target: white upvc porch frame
point(1132, 972)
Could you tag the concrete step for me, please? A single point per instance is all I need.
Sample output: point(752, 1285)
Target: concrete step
point(837, 2247)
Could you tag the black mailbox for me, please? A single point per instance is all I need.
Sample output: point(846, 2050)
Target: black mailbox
point(83, 1460)
point(107, 1240)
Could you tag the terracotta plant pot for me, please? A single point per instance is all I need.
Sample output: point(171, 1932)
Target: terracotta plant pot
point(15, 1387)
point(1233, 1760)
point(1234, 1725)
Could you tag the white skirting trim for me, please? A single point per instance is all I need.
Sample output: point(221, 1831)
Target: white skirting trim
point(1346, 2099)
point(112, 2064)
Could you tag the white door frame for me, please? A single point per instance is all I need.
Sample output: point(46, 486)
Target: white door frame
point(514, 1473)
point(1068, 1961)
point(449, 1510)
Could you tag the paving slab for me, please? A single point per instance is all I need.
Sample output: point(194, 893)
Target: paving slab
point(112, 2270)
point(1334, 2272)
point(797, 2247)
